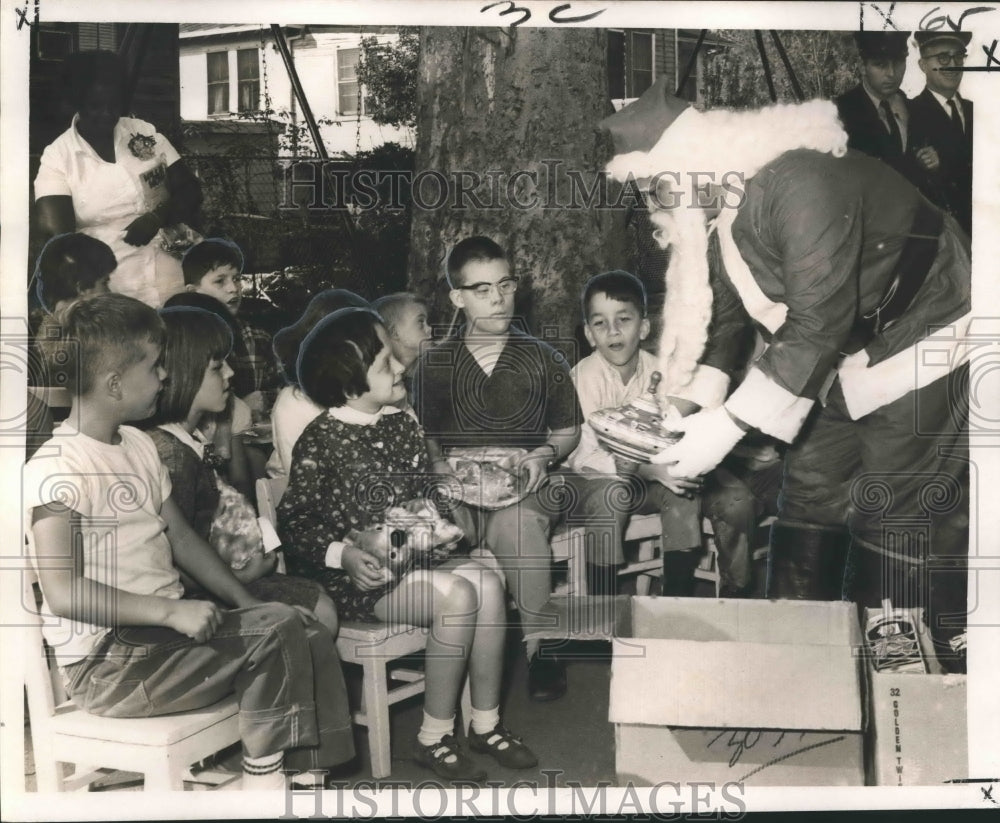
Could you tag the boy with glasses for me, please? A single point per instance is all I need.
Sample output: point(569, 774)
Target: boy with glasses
point(942, 118)
point(492, 384)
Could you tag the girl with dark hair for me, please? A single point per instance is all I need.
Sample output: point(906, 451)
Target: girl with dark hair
point(352, 468)
point(117, 179)
point(293, 410)
point(225, 430)
point(195, 347)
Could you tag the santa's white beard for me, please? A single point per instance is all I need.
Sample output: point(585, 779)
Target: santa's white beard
point(687, 310)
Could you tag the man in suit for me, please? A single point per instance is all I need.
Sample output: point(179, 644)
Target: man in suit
point(941, 118)
point(876, 114)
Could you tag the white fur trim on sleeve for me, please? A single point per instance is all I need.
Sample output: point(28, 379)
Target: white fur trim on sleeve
point(766, 406)
point(707, 388)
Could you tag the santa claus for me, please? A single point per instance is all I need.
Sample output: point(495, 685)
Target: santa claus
point(861, 289)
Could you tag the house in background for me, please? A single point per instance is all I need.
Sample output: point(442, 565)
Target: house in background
point(149, 53)
point(232, 72)
point(639, 57)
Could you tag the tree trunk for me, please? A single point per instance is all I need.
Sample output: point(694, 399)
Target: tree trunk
point(511, 115)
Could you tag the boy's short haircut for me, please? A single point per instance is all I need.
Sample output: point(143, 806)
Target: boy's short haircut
point(618, 285)
point(69, 264)
point(100, 335)
point(210, 254)
point(391, 307)
point(197, 300)
point(472, 249)
point(192, 339)
point(335, 356)
point(288, 341)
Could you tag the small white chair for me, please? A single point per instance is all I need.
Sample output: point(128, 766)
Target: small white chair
point(373, 646)
point(160, 748)
point(568, 545)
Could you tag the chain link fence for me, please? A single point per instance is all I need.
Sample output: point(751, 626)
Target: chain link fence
point(298, 233)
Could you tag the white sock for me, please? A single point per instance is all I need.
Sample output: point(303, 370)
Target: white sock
point(531, 647)
point(434, 728)
point(309, 780)
point(485, 720)
point(263, 773)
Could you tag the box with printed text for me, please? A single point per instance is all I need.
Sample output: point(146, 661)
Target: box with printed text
point(918, 733)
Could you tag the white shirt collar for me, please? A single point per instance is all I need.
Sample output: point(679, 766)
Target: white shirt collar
point(896, 103)
point(348, 414)
point(196, 440)
point(944, 101)
point(81, 145)
point(611, 373)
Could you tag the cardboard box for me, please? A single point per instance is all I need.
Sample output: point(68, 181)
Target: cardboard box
point(761, 692)
point(768, 693)
point(917, 734)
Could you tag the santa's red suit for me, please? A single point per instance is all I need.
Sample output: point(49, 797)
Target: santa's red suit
point(874, 408)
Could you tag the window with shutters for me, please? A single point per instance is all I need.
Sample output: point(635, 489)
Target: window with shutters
point(218, 82)
point(349, 98)
point(630, 63)
point(685, 50)
point(94, 36)
point(248, 78)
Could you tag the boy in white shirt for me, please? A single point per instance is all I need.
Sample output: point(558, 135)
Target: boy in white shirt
point(110, 538)
point(617, 372)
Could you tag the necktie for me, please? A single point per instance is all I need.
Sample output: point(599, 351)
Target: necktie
point(955, 117)
point(894, 134)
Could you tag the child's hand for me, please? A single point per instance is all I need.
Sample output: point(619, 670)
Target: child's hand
point(260, 565)
point(197, 619)
point(365, 571)
point(624, 466)
point(681, 486)
point(534, 467)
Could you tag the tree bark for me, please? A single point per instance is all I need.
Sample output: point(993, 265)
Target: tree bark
point(511, 114)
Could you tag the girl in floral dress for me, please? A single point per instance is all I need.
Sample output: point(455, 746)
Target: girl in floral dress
point(350, 465)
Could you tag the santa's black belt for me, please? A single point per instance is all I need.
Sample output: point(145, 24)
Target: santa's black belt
point(915, 260)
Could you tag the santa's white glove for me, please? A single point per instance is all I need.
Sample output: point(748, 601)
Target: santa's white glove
point(708, 437)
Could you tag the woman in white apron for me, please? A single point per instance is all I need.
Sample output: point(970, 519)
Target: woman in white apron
point(117, 179)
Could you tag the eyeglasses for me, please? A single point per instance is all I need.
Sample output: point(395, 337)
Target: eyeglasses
point(483, 290)
point(946, 58)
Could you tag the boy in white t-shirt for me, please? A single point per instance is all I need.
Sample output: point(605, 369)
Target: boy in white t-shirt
point(617, 372)
point(107, 540)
